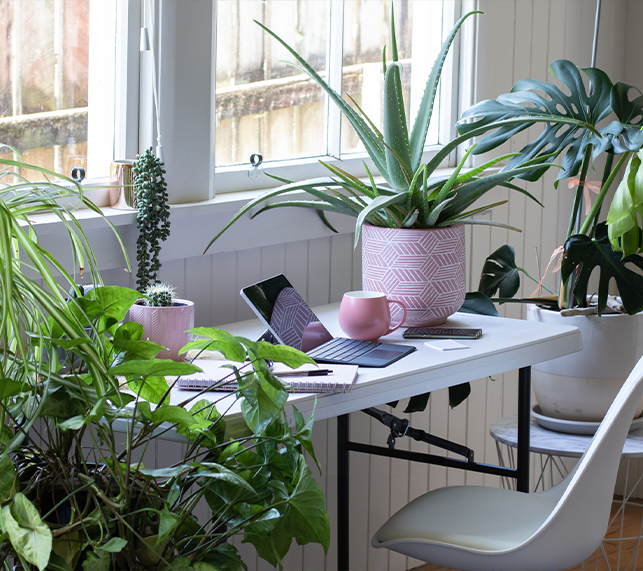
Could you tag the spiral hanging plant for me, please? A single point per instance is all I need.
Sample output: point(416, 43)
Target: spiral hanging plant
point(153, 217)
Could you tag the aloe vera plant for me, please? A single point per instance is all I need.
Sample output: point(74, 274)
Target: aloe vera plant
point(411, 196)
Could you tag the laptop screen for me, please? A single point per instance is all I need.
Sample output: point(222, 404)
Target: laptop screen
point(290, 319)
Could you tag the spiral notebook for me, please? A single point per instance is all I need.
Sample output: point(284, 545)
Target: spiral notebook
point(340, 379)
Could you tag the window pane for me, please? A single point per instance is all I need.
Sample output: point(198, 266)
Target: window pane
point(45, 106)
point(367, 29)
point(264, 105)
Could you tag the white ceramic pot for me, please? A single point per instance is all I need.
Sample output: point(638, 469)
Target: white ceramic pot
point(582, 386)
point(423, 269)
point(166, 326)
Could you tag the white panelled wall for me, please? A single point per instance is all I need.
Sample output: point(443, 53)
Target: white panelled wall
point(516, 39)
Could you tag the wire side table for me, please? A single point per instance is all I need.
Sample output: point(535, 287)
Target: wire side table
point(552, 448)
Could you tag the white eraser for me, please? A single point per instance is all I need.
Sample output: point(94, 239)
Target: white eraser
point(445, 344)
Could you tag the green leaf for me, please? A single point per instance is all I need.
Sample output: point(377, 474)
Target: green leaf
point(627, 205)
point(114, 545)
point(152, 389)
point(262, 403)
point(220, 340)
point(571, 119)
point(458, 394)
point(417, 403)
point(289, 356)
point(73, 423)
point(9, 388)
point(305, 516)
point(305, 433)
point(398, 157)
point(168, 522)
point(479, 304)
point(7, 478)
point(273, 547)
point(500, 273)
point(173, 414)
point(155, 367)
point(425, 111)
point(580, 250)
point(97, 560)
point(179, 564)
point(29, 535)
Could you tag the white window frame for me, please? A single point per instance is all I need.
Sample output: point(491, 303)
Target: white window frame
point(184, 37)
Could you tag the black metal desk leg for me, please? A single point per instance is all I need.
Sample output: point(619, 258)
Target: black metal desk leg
point(342, 492)
point(524, 411)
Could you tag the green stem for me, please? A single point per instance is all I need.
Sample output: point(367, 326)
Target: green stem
point(609, 161)
point(575, 215)
point(593, 213)
point(532, 278)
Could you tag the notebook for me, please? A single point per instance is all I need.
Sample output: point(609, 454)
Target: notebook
point(288, 317)
point(340, 380)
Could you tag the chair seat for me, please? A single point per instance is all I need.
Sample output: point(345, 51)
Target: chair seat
point(496, 519)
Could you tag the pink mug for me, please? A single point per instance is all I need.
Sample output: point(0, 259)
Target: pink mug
point(366, 315)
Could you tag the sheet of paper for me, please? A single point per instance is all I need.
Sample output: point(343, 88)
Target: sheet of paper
point(445, 344)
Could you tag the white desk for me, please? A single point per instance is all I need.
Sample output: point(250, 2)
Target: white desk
point(505, 345)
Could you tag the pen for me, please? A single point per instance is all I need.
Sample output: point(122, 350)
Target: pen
point(313, 373)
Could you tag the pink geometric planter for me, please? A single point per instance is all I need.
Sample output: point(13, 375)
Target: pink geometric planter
point(424, 269)
point(166, 325)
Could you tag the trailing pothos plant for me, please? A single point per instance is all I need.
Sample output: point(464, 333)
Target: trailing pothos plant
point(153, 217)
point(412, 196)
point(74, 491)
point(580, 125)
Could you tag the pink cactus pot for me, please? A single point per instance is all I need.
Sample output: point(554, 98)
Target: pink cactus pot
point(166, 326)
point(424, 269)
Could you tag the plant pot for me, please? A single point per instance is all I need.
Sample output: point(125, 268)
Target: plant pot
point(166, 326)
point(423, 269)
point(582, 386)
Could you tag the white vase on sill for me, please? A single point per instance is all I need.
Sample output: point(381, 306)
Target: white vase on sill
point(582, 386)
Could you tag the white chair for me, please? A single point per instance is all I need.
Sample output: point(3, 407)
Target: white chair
point(476, 528)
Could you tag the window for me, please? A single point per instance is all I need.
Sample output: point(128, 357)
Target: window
point(57, 83)
point(266, 106)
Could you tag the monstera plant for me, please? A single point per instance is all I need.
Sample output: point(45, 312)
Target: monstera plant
point(596, 118)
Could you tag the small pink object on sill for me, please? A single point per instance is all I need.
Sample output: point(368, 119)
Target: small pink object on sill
point(365, 315)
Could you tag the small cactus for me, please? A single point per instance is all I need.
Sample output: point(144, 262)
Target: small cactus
point(159, 295)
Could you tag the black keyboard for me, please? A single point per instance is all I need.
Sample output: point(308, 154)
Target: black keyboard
point(342, 349)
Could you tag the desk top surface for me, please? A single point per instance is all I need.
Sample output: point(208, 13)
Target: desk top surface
point(505, 345)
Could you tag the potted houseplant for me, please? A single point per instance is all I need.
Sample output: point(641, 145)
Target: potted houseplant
point(412, 210)
point(613, 133)
point(165, 319)
point(73, 497)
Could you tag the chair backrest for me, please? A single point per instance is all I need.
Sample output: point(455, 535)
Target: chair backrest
point(581, 515)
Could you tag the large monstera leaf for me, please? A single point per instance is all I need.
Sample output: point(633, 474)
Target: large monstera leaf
point(586, 254)
point(570, 115)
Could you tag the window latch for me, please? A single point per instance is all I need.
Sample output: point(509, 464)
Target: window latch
point(255, 160)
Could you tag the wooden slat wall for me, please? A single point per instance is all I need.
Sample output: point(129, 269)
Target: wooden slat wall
point(515, 39)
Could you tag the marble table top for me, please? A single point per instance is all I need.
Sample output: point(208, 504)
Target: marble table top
point(545, 441)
